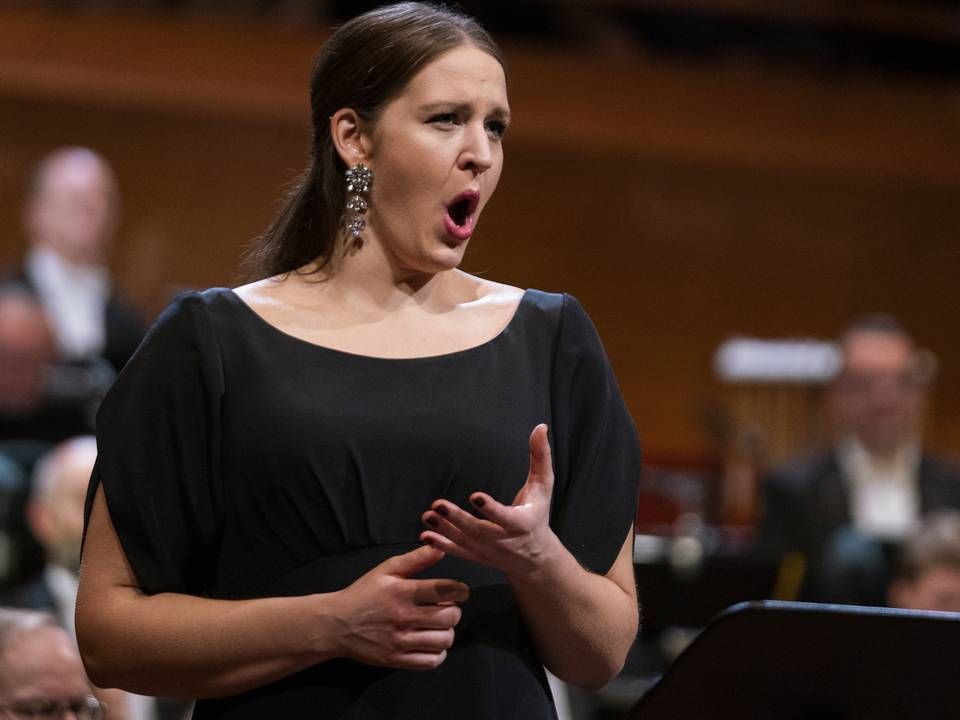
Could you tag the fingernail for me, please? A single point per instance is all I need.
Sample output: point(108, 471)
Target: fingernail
point(478, 501)
point(431, 521)
point(441, 510)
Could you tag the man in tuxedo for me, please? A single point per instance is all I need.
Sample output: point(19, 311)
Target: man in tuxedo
point(70, 219)
point(843, 513)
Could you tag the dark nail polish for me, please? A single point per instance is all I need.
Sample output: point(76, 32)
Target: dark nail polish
point(431, 521)
point(478, 501)
point(441, 510)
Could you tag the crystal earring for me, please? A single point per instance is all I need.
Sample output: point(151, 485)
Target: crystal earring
point(359, 179)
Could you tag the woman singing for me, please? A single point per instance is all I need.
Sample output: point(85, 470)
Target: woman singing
point(370, 485)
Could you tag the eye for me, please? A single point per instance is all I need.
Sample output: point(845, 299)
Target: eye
point(496, 128)
point(444, 119)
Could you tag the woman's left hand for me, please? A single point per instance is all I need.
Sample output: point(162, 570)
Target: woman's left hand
point(511, 538)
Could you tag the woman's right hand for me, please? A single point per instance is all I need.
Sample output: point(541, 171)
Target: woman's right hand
point(387, 618)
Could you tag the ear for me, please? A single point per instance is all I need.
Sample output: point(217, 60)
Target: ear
point(38, 518)
point(349, 135)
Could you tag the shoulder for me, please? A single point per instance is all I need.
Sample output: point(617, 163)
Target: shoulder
point(189, 308)
point(803, 473)
point(18, 275)
point(262, 293)
point(185, 326)
point(939, 470)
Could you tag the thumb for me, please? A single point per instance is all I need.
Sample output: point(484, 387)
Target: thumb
point(541, 462)
point(412, 562)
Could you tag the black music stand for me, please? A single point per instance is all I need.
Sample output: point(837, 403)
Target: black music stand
point(790, 661)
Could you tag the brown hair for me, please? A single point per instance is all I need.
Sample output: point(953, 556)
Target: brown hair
point(366, 63)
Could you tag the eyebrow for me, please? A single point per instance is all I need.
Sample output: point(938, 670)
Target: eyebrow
point(499, 112)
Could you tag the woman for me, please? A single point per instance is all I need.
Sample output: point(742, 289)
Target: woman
point(277, 520)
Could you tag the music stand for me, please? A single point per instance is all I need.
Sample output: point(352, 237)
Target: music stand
point(793, 661)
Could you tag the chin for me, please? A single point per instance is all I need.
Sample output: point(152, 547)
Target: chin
point(447, 258)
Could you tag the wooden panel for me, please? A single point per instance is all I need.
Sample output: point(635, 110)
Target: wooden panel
point(680, 204)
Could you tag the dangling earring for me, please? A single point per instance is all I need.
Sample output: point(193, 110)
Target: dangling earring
point(359, 179)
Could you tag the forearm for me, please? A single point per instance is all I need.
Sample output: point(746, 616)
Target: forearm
point(583, 624)
point(179, 645)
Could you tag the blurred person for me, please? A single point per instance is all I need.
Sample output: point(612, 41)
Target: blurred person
point(846, 510)
point(70, 219)
point(928, 576)
point(41, 674)
point(32, 417)
point(26, 351)
point(30, 406)
point(55, 516)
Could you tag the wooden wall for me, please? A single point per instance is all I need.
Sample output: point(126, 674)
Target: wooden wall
point(681, 204)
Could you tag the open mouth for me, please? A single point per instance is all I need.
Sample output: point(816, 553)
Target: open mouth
point(463, 207)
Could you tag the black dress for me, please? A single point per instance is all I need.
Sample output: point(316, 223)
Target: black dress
point(241, 462)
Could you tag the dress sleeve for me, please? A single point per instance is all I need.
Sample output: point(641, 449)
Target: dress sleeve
point(158, 436)
point(595, 446)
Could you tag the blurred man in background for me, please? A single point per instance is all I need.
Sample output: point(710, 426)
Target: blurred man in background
point(70, 219)
point(55, 516)
point(846, 511)
point(41, 675)
point(26, 352)
point(929, 572)
point(32, 417)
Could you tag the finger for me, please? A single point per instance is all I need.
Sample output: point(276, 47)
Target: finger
point(430, 592)
point(431, 641)
point(435, 539)
point(541, 460)
point(418, 660)
point(507, 517)
point(472, 529)
point(437, 521)
point(412, 562)
point(435, 617)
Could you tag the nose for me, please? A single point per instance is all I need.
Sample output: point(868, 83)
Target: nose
point(478, 152)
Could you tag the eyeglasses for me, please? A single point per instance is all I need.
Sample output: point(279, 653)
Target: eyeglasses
point(85, 708)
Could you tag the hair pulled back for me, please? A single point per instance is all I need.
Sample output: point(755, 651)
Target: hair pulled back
point(366, 63)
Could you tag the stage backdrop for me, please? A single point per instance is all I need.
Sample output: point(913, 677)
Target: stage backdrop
point(680, 204)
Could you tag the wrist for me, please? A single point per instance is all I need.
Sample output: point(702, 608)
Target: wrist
point(543, 563)
point(322, 631)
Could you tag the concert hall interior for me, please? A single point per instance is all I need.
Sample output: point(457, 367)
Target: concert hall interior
point(758, 204)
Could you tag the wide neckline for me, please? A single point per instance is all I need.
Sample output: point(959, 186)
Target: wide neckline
point(503, 332)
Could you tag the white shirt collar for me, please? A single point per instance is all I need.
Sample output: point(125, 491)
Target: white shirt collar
point(74, 298)
point(63, 586)
point(884, 494)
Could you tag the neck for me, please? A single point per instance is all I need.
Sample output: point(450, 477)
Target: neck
point(95, 260)
point(371, 278)
point(885, 453)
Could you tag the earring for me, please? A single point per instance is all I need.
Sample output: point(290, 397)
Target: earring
point(359, 179)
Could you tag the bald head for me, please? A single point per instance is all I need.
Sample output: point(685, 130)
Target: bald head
point(26, 348)
point(72, 207)
point(58, 493)
point(38, 660)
